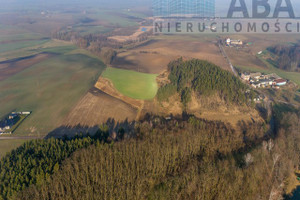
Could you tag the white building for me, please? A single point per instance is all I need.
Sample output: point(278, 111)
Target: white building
point(245, 76)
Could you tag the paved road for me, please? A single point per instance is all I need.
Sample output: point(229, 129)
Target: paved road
point(227, 58)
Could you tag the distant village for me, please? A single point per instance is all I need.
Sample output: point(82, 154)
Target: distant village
point(11, 122)
point(259, 80)
point(233, 43)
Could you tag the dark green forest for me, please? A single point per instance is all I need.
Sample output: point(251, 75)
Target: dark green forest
point(189, 159)
point(205, 79)
point(181, 158)
point(35, 161)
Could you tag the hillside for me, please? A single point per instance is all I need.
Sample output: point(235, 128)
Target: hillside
point(35, 161)
point(204, 90)
point(183, 158)
point(285, 57)
point(205, 79)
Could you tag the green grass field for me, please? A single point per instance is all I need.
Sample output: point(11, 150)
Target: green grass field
point(19, 45)
point(50, 46)
point(49, 89)
point(16, 37)
point(133, 84)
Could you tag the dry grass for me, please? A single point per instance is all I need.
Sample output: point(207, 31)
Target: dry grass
point(210, 108)
point(154, 56)
point(215, 109)
point(134, 36)
point(96, 107)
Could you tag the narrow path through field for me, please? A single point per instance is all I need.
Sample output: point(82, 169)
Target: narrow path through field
point(19, 138)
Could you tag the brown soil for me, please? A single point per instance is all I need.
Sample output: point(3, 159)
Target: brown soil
point(14, 66)
point(154, 56)
point(149, 62)
point(97, 107)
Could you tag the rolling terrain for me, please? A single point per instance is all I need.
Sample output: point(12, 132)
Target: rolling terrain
point(94, 109)
point(133, 84)
point(49, 89)
point(154, 55)
point(121, 113)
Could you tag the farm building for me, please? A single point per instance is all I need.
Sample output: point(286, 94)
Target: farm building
point(258, 80)
point(22, 113)
point(245, 76)
point(230, 42)
point(280, 82)
point(236, 42)
point(266, 82)
point(12, 116)
point(4, 125)
point(256, 75)
point(256, 84)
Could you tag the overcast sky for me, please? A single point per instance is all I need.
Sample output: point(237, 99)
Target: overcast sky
point(222, 6)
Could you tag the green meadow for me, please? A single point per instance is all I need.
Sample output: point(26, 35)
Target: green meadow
point(133, 84)
point(49, 89)
point(12, 46)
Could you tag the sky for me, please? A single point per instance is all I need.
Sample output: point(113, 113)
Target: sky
point(222, 6)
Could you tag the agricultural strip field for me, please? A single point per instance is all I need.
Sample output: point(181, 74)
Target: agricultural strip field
point(12, 46)
point(96, 108)
point(14, 66)
point(133, 84)
point(154, 55)
point(50, 89)
point(51, 46)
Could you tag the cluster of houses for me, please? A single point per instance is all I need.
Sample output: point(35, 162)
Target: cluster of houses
point(259, 80)
point(7, 124)
point(229, 42)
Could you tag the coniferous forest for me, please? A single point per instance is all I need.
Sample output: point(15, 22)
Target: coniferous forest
point(181, 158)
point(205, 79)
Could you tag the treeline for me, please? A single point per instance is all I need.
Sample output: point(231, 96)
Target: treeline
point(99, 44)
point(173, 159)
point(288, 56)
point(205, 79)
point(35, 161)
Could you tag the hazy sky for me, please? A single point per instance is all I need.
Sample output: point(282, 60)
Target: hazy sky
point(222, 6)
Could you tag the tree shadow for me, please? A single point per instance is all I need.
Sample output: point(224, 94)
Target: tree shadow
point(116, 130)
